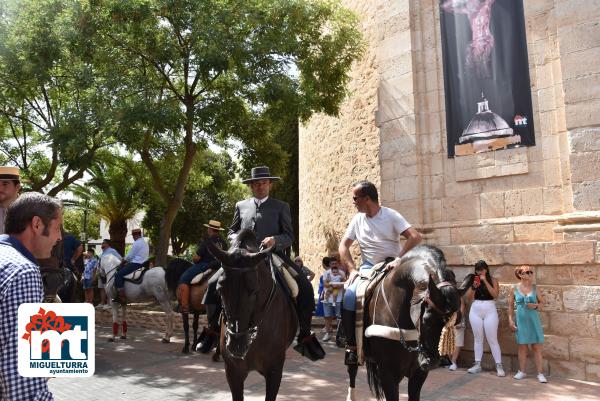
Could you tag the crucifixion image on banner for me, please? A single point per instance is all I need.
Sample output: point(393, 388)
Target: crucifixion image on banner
point(486, 76)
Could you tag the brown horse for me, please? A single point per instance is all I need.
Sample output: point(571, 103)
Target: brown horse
point(175, 269)
point(419, 293)
point(260, 320)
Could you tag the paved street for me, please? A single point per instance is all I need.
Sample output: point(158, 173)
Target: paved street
point(142, 368)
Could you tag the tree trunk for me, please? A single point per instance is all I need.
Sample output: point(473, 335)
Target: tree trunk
point(175, 202)
point(118, 231)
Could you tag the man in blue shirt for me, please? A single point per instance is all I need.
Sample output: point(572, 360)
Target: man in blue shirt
point(32, 228)
point(134, 260)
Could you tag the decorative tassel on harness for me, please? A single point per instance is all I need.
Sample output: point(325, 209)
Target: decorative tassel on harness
point(448, 337)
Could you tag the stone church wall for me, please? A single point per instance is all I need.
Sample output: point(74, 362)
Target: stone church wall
point(535, 205)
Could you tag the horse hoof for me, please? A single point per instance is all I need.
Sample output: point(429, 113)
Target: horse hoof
point(123, 337)
point(185, 350)
point(165, 341)
point(216, 358)
point(111, 340)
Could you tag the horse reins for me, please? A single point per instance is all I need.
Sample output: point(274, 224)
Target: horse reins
point(426, 298)
point(254, 329)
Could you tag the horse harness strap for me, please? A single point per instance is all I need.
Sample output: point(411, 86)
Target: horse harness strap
point(428, 300)
point(254, 329)
point(402, 332)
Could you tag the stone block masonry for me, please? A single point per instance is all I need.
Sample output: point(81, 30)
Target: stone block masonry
point(535, 205)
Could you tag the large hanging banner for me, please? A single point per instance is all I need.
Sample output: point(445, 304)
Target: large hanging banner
point(486, 76)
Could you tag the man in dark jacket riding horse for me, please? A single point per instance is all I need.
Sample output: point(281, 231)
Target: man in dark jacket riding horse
point(271, 220)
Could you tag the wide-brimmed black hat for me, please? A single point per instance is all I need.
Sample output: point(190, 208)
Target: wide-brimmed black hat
point(260, 173)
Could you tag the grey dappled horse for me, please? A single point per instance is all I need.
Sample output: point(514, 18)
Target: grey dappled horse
point(153, 286)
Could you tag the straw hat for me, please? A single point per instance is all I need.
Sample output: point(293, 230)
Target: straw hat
point(214, 224)
point(10, 173)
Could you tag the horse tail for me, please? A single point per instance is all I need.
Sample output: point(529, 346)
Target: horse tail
point(373, 379)
point(373, 375)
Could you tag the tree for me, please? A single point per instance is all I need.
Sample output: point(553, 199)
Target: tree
point(211, 194)
point(78, 215)
point(115, 195)
point(190, 72)
point(55, 110)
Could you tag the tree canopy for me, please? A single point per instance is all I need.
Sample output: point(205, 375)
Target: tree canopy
point(164, 78)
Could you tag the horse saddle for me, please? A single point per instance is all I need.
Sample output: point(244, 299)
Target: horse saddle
point(199, 278)
point(137, 276)
point(287, 273)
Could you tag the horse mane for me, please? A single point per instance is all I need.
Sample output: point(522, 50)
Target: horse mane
point(246, 239)
point(173, 272)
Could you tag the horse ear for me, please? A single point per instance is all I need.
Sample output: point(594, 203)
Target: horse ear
point(221, 255)
point(435, 294)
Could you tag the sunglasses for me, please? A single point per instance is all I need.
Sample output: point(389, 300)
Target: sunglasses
point(528, 272)
point(355, 198)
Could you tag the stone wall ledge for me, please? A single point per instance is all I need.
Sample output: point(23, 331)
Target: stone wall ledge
point(579, 218)
point(533, 253)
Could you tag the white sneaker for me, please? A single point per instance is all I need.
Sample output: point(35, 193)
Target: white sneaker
point(475, 369)
point(107, 307)
point(452, 367)
point(326, 337)
point(519, 375)
point(542, 378)
point(500, 370)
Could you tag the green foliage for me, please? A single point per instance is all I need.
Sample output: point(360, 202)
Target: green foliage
point(55, 109)
point(114, 193)
point(211, 194)
point(73, 222)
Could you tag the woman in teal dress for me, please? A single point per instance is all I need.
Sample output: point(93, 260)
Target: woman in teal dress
point(524, 319)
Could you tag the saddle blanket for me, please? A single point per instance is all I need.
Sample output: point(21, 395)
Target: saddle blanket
point(135, 275)
point(198, 278)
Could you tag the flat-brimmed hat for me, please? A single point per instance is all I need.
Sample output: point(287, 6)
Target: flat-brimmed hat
point(260, 173)
point(10, 173)
point(214, 224)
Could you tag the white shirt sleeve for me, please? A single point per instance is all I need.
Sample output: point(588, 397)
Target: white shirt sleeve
point(400, 223)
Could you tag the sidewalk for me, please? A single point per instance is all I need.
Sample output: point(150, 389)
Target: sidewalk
point(143, 368)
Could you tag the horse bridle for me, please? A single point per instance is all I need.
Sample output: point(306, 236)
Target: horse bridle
point(252, 330)
point(425, 298)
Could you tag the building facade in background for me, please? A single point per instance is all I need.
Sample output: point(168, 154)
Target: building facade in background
point(537, 204)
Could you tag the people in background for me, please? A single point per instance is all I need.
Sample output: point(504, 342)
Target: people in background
point(310, 275)
point(524, 305)
point(483, 316)
point(89, 272)
point(333, 284)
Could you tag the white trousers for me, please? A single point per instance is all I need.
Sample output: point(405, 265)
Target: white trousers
point(483, 317)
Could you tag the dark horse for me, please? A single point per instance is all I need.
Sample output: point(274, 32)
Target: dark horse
point(175, 269)
point(418, 293)
point(260, 321)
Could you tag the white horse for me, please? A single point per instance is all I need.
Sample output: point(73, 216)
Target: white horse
point(153, 285)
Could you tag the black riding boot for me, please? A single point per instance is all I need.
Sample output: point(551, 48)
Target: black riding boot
point(349, 324)
point(213, 313)
point(307, 344)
